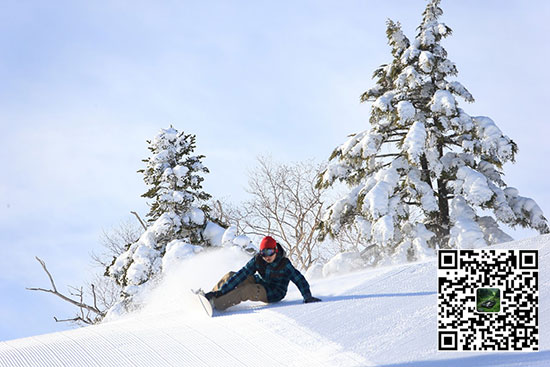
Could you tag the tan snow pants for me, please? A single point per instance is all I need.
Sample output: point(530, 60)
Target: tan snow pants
point(248, 290)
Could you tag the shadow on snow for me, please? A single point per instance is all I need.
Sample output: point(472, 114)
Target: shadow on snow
point(325, 299)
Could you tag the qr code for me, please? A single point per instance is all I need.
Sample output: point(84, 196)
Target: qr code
point(487, 300)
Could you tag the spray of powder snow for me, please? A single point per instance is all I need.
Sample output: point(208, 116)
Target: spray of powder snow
point(204, 270)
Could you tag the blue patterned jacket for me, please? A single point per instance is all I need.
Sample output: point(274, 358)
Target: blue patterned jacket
point(273, 277)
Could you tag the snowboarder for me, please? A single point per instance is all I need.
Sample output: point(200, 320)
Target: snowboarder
point(269, 285)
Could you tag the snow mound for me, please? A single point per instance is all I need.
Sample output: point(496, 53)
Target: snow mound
point(344, 262)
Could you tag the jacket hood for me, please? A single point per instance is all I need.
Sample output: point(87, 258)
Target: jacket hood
point(281, 251)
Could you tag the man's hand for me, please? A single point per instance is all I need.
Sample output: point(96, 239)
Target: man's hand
point(214, 294)
point(311, 299)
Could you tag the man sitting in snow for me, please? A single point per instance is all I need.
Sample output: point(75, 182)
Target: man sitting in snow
point(269, 285)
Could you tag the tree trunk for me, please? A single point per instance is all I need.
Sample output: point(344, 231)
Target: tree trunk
point(425, 175)
point(443, 203)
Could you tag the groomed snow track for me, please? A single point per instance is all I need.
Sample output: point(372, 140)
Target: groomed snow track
point(252, 337)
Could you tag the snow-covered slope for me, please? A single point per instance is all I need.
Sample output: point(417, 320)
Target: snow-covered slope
point(382, 317)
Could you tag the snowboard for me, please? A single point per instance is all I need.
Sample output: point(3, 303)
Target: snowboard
point(204, 303)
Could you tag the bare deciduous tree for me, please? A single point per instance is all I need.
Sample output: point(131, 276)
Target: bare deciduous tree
point(115, 240)
point(103, 290)
point(285, 204)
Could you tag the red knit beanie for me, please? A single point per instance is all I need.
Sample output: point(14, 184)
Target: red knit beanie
point(268, 242)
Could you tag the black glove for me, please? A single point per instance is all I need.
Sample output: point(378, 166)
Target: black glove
point(311, 299)
point(214, 294)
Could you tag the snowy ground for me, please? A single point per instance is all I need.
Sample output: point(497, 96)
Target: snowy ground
point(381, 317)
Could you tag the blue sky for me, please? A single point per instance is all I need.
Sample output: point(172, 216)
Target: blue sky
point(85, 84)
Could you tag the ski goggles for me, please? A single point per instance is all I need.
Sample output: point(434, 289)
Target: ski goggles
point(267, 252)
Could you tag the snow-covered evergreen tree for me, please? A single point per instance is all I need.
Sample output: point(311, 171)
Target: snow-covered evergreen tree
point(178, 216)
point(426, 174)
point(174, 177)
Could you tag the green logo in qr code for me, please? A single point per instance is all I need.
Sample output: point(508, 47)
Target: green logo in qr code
point(488, 300)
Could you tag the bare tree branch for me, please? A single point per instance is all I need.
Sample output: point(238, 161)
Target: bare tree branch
point(137, 216)
point(79, 302)
point(95, 297)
